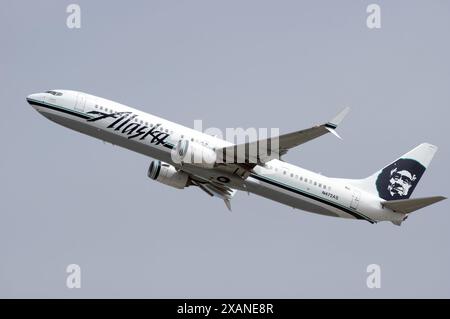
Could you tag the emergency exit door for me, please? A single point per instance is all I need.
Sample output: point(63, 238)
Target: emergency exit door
point(356, 196)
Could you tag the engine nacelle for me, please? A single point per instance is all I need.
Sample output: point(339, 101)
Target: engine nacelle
point(188, 152)
point(167, 174)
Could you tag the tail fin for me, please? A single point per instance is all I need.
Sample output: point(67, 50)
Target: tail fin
point(399, 179)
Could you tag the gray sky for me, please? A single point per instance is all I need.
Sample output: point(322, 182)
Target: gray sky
point(68, 198)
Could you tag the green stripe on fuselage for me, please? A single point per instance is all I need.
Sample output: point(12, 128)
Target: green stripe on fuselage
point(312, 196)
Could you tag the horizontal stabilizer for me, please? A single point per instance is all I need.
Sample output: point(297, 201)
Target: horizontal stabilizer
point(407, 206)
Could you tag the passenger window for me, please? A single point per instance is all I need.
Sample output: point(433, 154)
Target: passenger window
point(292, 175)
point(301, 178)
point(320, 185)
point(315, 183)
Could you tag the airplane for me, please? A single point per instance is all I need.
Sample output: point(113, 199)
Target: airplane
point(221, 168)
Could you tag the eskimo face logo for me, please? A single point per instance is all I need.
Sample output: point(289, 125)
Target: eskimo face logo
point(398, 180)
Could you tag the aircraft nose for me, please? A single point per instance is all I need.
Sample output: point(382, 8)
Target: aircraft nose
point(33, 98)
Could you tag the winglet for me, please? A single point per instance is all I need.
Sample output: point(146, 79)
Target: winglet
point(338, 118)
point(334, 132)
point(333, 124)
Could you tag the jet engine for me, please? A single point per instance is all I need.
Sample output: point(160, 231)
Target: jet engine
point(167, 174)
point(188, 152)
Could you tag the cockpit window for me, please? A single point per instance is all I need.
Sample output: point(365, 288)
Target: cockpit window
point(54, 93)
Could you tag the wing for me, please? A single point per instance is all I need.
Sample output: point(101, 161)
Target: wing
point(264, 150)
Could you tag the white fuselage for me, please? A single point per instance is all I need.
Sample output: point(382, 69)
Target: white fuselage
point(155, 137)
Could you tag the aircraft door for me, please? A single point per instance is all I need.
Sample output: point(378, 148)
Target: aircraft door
point(355, 199)
point(81, 102)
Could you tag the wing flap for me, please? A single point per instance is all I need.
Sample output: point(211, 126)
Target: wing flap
point(217, 190)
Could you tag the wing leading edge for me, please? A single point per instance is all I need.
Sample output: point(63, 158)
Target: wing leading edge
point(264, 150)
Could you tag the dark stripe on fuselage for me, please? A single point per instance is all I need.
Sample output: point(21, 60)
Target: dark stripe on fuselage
point(300, 192)
point(56, 108)
point(258, 177)
point(77, 114)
